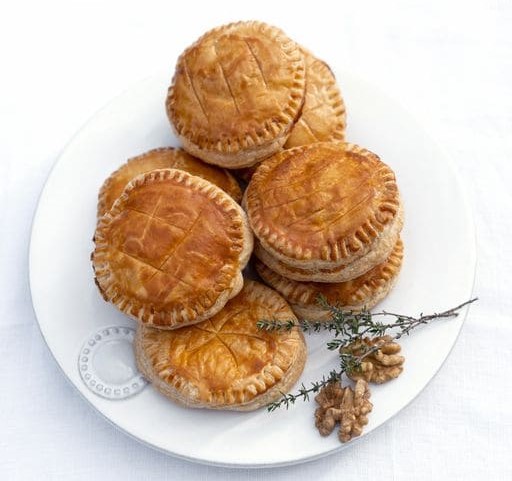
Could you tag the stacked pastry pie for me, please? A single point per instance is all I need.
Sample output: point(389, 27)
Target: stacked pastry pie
point(327, 219)
point(172, 240)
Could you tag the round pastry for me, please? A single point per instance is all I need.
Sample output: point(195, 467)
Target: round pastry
point(171, 249)
point(363, 292)
point(323, 205)
point(236, 93)
point(226, 362)
point(163, 158)
point(323, 114)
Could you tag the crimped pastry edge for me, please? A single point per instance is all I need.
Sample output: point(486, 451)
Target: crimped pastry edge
point(235, 160)
point(304, 294)
point(274, 392)
point(251, 148)
point(380, 250)
point(144, 311)
point(329, 255)
point(300, 295)
point(102, 208)
point(335, 98)
point(315, 313)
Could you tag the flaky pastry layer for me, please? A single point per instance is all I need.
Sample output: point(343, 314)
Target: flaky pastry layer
point(381, 248)
point(362, 292)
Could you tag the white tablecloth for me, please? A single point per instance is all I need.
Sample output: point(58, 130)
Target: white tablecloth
point(449, 62)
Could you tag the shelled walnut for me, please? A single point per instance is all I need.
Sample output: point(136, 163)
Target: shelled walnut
point(380, 366)
point(345, 405)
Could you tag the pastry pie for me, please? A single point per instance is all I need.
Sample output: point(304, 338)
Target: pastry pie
point(236, 93)
point(323, 114)
point(226, 362)
point(323, 205)
point(171, 249)
point(362, 292)
point(163, 158)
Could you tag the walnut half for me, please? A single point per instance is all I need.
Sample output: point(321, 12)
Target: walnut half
point(380, 366)
point(345, 405)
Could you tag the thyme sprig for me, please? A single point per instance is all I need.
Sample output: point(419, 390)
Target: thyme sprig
point(349, 327)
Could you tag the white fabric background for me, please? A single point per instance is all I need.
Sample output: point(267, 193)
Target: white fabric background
point(449, 62)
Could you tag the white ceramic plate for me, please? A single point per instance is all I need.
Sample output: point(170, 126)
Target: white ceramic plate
point(438, 273)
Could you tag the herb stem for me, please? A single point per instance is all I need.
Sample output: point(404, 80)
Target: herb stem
point(350, 327)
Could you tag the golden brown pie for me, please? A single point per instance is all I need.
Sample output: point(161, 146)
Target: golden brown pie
point(163, 158)
point(226, 362)
point(323, 205)
point(323, 114)
point(171, 249)
point(362, 292)
point(236, 93)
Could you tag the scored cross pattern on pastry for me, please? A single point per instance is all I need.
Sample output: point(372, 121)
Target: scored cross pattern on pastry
point(171, 250)
point(152, 225)
point(222, 336)
point(317, 205)
point(240, 80)
point(225, 362)
point(236, 93)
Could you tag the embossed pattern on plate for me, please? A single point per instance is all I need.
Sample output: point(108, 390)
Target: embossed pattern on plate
point(107, 364)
